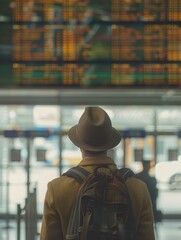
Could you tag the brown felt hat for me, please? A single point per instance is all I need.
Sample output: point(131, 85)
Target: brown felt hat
point(94, 131)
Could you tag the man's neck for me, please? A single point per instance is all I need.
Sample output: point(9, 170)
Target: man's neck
point(93, 154)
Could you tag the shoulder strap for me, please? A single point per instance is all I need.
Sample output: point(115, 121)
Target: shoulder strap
point(125, 173)
point(78, 173)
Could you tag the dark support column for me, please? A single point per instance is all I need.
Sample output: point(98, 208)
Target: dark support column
point(18, 221)
point(28, 165)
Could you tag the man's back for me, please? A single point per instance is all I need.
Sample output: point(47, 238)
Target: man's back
point(65, 195)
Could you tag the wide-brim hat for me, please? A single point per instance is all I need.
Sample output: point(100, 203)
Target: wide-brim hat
point(94, 131)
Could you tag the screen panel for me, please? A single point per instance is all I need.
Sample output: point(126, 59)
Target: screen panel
point(90, 43)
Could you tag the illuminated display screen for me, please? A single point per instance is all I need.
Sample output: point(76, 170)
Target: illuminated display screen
point(90, 43)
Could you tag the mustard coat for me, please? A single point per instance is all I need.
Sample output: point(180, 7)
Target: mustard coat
point(61, 194)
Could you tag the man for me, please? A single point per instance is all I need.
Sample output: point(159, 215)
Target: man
point(94, 135)
point(151, 183)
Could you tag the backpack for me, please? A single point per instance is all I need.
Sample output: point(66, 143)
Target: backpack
point(102, 209)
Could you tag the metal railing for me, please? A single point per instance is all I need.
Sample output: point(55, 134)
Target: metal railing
point(28, 215)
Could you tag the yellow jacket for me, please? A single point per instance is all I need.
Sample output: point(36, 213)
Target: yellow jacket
point(61, 194)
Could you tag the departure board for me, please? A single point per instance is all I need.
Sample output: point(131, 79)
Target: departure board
point(90, 43)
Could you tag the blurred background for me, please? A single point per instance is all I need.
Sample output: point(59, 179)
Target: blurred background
point(56, 57)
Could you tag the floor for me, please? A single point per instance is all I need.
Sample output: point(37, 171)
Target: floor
point(167, 230)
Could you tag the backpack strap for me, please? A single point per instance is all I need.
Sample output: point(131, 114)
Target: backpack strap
point(78, 173)
point(125, 173)
point(88, 215)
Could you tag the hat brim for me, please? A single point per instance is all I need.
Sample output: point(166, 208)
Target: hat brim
point(113, 141)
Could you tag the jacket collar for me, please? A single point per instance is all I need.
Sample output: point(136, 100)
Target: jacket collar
point(96, 161)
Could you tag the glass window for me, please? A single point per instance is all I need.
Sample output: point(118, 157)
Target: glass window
point(168, 118)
